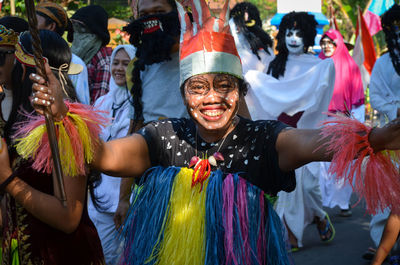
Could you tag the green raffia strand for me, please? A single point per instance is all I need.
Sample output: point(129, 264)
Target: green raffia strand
point(270, 198)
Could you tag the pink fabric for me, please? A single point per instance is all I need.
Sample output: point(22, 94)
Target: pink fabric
point(244, 219)
point(373, 22)
point(348, 91)
point(376, 179)
point(228, 195)
point(261, 241)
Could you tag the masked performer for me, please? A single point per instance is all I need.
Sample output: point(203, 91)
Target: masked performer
point(297, 90)
point(37, 228)
point(347, 99)
point(254, 45)
point(154, 79)
point(217, 212)
point(153, 76)
point(89, 42)
point(385, 93)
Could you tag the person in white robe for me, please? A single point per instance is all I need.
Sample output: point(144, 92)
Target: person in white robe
point(385, 96)
point(297, 90)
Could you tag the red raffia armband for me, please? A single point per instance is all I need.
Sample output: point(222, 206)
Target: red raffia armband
point(374, 176)
point(78, 134)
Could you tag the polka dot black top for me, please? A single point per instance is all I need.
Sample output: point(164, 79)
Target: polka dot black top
point(249, 150)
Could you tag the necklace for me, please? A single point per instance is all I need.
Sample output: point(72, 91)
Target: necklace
point(202, 166)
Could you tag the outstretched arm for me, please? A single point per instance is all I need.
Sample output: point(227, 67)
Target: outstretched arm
point(297, 147)
point(124, 157)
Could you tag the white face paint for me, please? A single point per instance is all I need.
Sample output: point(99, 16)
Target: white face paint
point(294, 41)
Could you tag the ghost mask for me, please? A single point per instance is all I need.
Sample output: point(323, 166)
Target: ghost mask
point(294, 41)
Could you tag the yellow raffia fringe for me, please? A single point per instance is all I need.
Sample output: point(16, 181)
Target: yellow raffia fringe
point(84, 133)
point(27, 146)
point(184, 238)
point(67, 156)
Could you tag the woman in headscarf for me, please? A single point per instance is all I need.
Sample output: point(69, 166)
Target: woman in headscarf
point(117, 104)
point(347, 99)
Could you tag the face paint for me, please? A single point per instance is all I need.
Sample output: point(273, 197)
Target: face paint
point(213, 100)
point(294, 41)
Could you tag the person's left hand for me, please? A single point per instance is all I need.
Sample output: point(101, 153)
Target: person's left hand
point(5, 169)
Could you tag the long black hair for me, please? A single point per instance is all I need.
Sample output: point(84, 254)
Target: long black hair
point(252, 27)
point(389, 19)
point(301, 21)
point(57, 51)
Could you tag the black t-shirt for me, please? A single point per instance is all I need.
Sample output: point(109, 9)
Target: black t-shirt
point(249, 150)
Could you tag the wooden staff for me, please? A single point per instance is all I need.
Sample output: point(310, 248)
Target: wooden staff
point(51, 130)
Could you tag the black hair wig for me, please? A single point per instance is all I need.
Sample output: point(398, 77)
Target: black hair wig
point(302, 21)
point(154, 47)
point(252, 27)
point(391, 24)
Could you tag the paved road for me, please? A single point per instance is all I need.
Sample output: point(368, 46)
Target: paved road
point(351, 241)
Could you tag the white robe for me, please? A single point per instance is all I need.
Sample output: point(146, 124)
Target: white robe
point(306, 86)
point(384, 89)
point(81, 81)
point(384, 93)
point(337, 193)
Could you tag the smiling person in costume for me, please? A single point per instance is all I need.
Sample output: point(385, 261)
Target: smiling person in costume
point(38, 229)
point(217, 213)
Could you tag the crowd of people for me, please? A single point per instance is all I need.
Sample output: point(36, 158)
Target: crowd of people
point(200, 142)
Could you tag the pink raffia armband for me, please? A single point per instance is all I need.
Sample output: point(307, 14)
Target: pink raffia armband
point(374, 176)
point(78, 134)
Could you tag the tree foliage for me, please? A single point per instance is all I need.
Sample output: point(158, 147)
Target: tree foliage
point(113, 10)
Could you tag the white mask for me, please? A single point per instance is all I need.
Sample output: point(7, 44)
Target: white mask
point(294, 41)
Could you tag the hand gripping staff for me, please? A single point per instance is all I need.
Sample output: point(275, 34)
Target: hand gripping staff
point(51, 131)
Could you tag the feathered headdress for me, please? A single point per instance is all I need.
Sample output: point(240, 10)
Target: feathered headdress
point(206, 44)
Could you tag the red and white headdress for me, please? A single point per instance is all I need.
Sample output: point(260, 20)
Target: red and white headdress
point(206, 45)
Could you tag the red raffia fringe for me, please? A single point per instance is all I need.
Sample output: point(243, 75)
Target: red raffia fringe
point(374, 176)
point(78, 134)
